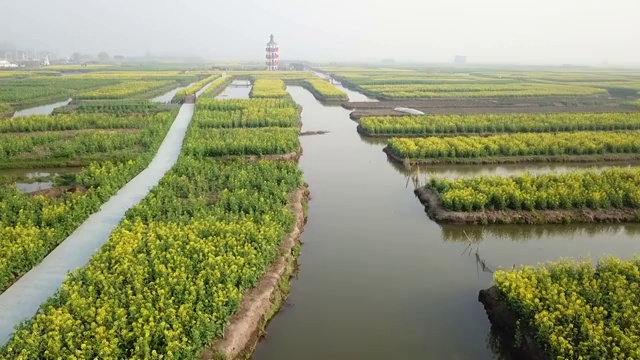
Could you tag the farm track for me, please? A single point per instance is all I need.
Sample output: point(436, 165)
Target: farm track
point(23, 299)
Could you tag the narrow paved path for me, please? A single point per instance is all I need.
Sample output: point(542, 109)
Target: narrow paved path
point(22, 300)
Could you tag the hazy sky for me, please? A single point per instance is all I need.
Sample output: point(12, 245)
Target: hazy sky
point(517, 31)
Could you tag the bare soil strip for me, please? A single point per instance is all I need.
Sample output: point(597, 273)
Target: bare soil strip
point(590, 158)
point(519, 341)
point(246, 326)
point(435, 210)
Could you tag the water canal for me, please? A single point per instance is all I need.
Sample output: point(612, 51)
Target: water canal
point(41, 109)
point(238, 89)
point(378, 279)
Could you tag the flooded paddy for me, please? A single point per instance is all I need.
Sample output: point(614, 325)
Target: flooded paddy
point(378, 279)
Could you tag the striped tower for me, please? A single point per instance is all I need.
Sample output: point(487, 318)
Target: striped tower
point(272, 55)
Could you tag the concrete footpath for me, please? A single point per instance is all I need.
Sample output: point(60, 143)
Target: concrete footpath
point(23, 299)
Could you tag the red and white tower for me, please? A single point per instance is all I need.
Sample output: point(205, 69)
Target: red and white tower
point(273, 55)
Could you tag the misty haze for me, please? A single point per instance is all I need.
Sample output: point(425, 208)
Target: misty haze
point(338, 180)
point(493, 31)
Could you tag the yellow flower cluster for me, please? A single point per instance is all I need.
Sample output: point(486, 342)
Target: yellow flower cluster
point(182, 93)
point(323, 90)
point(96, 136)
point(82, 121)
point(217, 86)
point(205, 103)
point(124, 90)
point(498, 123)
point(269, 88)
point(5, 110)
point(519, 144)
point(610, 188)
point(578, 311)
point(32, 226)
point(257, 126)
point(249, 117)
point(204, 142)
point(171, 275)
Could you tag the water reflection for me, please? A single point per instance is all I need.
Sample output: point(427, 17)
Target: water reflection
point(238, 89)
point(471, 233)
point(31, 180)
point(42, 109)
point(457, 170)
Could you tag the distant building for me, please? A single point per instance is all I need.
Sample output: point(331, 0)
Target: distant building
point(273, 55)
point(6, 64)
point(460, 59)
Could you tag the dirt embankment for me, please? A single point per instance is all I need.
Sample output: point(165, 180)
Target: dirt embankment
point(480, 106)
point(623, 158)
point(246, 326)
point(518, 340)
point(435, 210)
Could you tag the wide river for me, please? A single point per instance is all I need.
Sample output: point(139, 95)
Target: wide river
point(378, 279)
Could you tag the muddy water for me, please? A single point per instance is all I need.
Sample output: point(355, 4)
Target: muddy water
point(233, 91)
point(166, 98)
point(378, 279)
point(42, 109)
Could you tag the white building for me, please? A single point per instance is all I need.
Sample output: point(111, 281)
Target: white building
point(6, 64)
